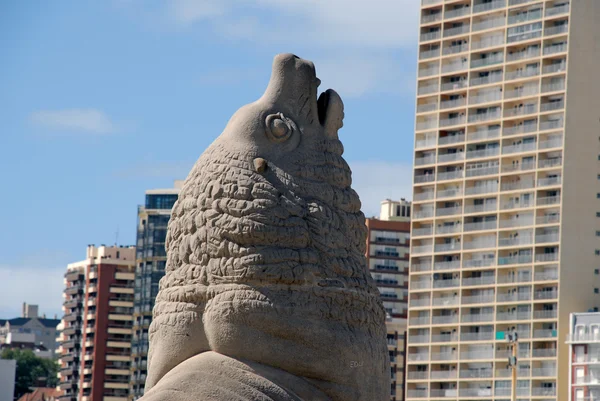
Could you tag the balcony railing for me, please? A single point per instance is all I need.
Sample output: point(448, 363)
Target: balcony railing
point(444, 356)
point(477, 299)
point(471, 281)
point(450, 175)
point(526, 73)
point(452, 121)
point(427, 195)
point(447, 247)
point(545, 314)
point(419, 232)
point(459, 30)
point(487, 207)
point(548, 200)
point(545, 295)
point(444, 319)
point(426, 108)
point(556, 48)
point(521, 110)
point(419, 179)
point(515, 260)
point(429, 18)
point(489, 115)
point(489, 79)
point(418, 339)
point(427, 54)
point(546, 276)
point(488, 42)
point(445, 301)
point(524, 36)
point(427, 36)
point(417, 375)
point(477, 317)
point(449, 86)
point(446, 283)
point(562, 9)
point(427, 72)
point(522, 92)
point(545, 182)
point(476, 154)
point(541, 239)
point(482, 189)
point(449, 139)
point(483, 336)
point(455, 49)
point(455, 264)
point(453, 67)
point(449, 193)
point(424, 90)
point(488, 24)
point(554, 68)
point(422, 249)
point(415, 303)
point(458, 12)
point(470, 355)
point(418, 321)
point(443, 374)
point(477, 263)
point(419, 161)
point(479, 245)
point(485, 225)
point(509, 168)
point(522, 55)
point(556, 30)
point(525, 16)
point(552, 106)
point(505, 316)
point(416, 393)
point(518, 297)
point(484, 134)
point(503, 242)
point(495, 96)
point(545, 352)
point(524, 147)
point(484, 7)
point(553, 87)
point(482, 62)
point(426, 143)
point(427, 124)
point(521, 221)
point(517, 185)
point(420, 284)
point(552, 143)
point(450, 104)
point(448, 211)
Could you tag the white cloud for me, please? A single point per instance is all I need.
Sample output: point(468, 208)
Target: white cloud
point(83, 120)
point(376, 181)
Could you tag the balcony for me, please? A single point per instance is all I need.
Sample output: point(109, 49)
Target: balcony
point(488, 42)
point(517, 297)
point(424, 90)
point(521, 92)
point(545, 295)
point(477, 299)
point(486, 116)
point(417, 375)
point(552, 106)
point(483, 62)
point(422, 178)
point(450, 139)
point(428, 36)
point(427, 124)
point(543, 391)
point(546, 276)
point(427, 72)
point(430, 18)
point(459, 30)
point(554, 68)
point(511, 168)
point(456, 49)
point(418, 321)
point(481, 189)
point(556, 48)
point(420, 284)
point(484, 336)
point(443, 338)
point(522, 55)
point(451, 247)
point(419, 232)
point(450, 175)
point(524, 36)
point(515, 260)
point(443, 356)
point(454, 66)
point(541, 239)
point(427, 54)
point(445, 301)
point(418, 339)
point(419, 303)
point(479, 245)
point(475, 392)
point(485, 7)
point(552, 11)
point(447, 122)
point(476, 374)
point(505, 316)
point(420, 161)
point(553, 87)
point(552, 143)
point(520, 73)
point(481, 135)
point(524, 147)
point(477, 317)
point(522, 221)
point(545, 314)
point(548, 200)
point(443, 374)
point(444, 319)
point(487, 207)
point(471, 355)
point(520, 111)
point(517, 185)
point(448, 211)
point(477, 154)
point(545, 352)
point(556, 30)
point(546, 257)
point(426, 143)
point(452, 265)
point(488, 24)
point(449, 193)
point(512, 242)
point(451, 104)
point(477, 263)
point(427, 108)
point(549, 181)
point(446, 283)
point(421, 267)
point(417, 393)
point(525, 16)
point(495, 96)
point(456, 85)
point(480, 226)
point(423, 196)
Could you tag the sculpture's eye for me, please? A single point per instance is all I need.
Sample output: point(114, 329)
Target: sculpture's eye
point(279, 127)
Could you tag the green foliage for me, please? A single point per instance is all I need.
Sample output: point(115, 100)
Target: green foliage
point(30, 368)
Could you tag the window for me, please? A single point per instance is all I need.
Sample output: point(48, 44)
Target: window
point(596, 271)
point(597, 214)
point(597, 233)
point(597, 252)
point(596, 291)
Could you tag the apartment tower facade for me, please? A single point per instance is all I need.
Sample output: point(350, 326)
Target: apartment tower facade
point(151, 259)
point(506, 197)
point(388, 244)
point(95, 341)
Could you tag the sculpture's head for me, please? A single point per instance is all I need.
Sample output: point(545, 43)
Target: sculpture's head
point(288, 126)
point(266, 249)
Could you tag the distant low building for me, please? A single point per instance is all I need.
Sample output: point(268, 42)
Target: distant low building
point(30, 331)
point(41, 394)
point(584, 356)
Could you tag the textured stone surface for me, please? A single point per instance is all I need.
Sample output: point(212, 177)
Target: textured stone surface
point(267, 295)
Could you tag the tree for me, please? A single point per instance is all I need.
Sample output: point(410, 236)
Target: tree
point(31, 368)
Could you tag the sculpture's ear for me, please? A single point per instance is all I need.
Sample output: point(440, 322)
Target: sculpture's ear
point(282, 130)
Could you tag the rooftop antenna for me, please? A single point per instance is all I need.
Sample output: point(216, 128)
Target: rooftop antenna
point(117, 237)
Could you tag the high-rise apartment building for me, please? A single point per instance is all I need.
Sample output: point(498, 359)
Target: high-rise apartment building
point(151, 259)
point(95, 342)
point(584, 357)
point(387, 257)
point(506, 205)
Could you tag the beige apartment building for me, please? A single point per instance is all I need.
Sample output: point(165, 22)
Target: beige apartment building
point(506, 203)
point(95, 341)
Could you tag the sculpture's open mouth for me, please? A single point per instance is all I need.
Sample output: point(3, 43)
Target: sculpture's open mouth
point(322, 105)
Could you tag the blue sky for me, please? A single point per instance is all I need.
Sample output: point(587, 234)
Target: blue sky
point(102, 100)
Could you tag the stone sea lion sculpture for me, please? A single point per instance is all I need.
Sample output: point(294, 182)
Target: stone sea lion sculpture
point(267, 295)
